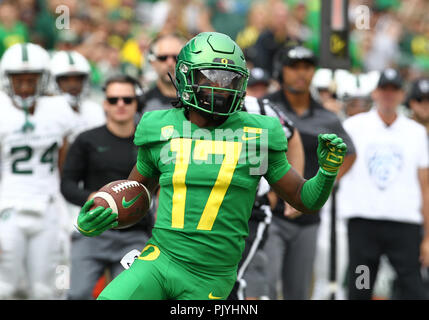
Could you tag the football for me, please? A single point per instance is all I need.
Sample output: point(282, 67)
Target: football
point(129, 199)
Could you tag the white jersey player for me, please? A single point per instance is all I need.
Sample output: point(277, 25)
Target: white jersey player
point(33, 133)
point(70, 72)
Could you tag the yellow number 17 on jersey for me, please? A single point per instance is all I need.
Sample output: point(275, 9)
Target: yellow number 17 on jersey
point(182, 146)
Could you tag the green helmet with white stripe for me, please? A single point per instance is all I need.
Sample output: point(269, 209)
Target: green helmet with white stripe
point(24, 58)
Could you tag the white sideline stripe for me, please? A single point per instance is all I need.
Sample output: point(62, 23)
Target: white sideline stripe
point(109, 199)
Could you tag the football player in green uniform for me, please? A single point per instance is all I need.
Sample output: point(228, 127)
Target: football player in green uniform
point(207, 157)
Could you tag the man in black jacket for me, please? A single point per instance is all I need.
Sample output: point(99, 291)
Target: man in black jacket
point(97, 157)
point(291, 246)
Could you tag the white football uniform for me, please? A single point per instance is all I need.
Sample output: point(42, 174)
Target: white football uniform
point(31, 216)
point(90, 115)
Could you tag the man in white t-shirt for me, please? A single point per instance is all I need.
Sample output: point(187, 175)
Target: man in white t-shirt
point(385, 194)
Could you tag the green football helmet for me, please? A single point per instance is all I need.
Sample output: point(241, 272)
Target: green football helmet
point(211, 74)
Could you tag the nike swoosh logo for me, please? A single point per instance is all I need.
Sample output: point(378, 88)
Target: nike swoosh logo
point(102, 149)
point(126, 204)
point(211, 296)
point(245, 138)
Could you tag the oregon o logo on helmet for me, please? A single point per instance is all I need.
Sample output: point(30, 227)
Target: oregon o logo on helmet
point(223, 61)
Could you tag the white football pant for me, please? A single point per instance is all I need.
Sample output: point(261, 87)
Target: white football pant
point(31, 250)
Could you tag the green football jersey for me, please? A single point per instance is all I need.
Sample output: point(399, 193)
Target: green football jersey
point(208, 179)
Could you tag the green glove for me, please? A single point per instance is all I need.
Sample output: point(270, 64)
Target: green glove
point(96, 221)
point(330, 152)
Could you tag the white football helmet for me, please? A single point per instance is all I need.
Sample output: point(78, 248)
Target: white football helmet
point(360, 85)
point(323, 79)
point(24, 58)
point(70, 63)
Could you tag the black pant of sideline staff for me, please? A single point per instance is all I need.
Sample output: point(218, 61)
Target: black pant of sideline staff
point(368, 240)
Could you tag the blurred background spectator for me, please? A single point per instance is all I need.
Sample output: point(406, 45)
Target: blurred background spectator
point(258, 83)
point(11, 29)
point(418, 102)
point(114, 35)
point(162, 56)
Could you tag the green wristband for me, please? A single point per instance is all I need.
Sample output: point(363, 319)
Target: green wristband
point(316, 190)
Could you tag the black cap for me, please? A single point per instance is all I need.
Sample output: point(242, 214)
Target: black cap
point(390, 77)
point(258, 75)
point(298, 53)
point(419, 89)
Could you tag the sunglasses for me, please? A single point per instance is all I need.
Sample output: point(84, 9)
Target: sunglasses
point(165, 57)
point(114, 100)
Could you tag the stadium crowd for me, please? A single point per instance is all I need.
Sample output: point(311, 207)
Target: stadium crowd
point(142, 38)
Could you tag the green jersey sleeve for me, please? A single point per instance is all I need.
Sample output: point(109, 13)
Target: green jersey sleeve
point(278, 164)
point(154, 127)
point(142, 135)
point(139, 136)
point(149, 135)
point(145, 163)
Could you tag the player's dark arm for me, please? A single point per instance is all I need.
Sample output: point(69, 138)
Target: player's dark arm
point(295, 153)
point(145, 170)
point(289, 189)
point(310, 195)
point(150, 183)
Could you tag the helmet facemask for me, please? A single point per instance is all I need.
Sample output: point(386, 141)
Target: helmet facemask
point(27, 102)
point(72, 98)
point(213, 89)
point(217, 90)
point(211, 75)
